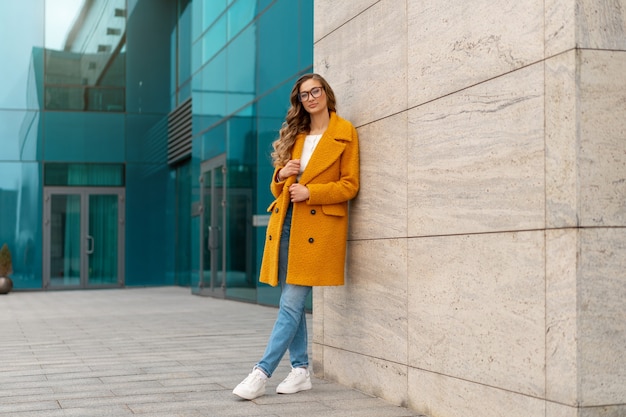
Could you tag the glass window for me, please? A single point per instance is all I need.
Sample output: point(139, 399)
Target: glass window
point(85, 63)
point(209, 95)
point(149, 41)
point(278, 54)
point(84, 175)
point(20, 223)
point(240, 240)
point(84, 137)
point(21, 72)
point(184, 43)
point(214, 39)
point(241, 76)
point(20, 135)
point(239, 15)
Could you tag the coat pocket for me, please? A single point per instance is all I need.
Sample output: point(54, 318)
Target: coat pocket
point(335, 209)
point(271, 206)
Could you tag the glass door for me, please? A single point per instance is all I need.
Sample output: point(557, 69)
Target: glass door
point(213, 227)
point(83, 237)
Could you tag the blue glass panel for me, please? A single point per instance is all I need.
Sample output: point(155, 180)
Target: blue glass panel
point(85, 59)
point(209, 96)
point(262, 4)
point(183, 225)
point(214, 39)
point(146, 138)
point(240, 14)
point(211, 10)
point(214, 142)
point(185, 92)
point(195, 253)
point(306, 35)
point(20, 135)
point(241, 240)
point(20, 223)
point(242, 56)
point(184, 45)
point(83, 175)
point(21, 72)
point(276, 104)
point(148, 44)
point(84, 137)
point(278, 54)
point(149, 225)
point(242, 140)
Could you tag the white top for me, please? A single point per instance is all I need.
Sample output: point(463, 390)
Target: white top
point(310, 143)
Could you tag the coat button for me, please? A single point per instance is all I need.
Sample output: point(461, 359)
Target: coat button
point(313, 211)
point(311, 240)
point(276, 210)
point(270, 238)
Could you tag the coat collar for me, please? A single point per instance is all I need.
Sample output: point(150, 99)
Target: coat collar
point(328, 150)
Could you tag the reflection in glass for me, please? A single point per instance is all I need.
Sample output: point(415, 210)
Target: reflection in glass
point(21, 31)
point(85, 63)
point(65, 251)
point(102, 240)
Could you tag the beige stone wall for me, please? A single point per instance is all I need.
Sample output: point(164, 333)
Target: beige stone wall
point(487, 256)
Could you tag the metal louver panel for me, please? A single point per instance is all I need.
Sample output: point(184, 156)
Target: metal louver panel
point(179, 133)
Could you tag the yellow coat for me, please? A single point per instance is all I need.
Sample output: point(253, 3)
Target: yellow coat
point(319, 226)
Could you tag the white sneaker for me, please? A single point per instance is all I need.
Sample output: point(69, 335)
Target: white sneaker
point(299, 379)
point(253, 386)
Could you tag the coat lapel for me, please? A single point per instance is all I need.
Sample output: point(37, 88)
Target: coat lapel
point(327, 151)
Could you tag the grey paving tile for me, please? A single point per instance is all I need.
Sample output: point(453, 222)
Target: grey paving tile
point(154, 352)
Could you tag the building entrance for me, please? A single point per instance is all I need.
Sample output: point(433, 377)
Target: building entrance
point(83, 237)
point(212, 279)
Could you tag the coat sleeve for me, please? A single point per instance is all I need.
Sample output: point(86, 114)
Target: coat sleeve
point(276, 187)
point(347, 187)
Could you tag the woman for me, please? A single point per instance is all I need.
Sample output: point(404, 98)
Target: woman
point(316, 160)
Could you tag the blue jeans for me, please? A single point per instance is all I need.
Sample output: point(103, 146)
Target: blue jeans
point(289, 330)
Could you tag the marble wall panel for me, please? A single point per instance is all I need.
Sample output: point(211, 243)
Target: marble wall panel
point(604, 411)
point(560, 410)
point(318, 315)
point(365, 62)
point(476, 158)
point(477, 308)
point(602, 316)
point(560, 26)
point(368, 314)
point(561, 141)
point(330, 15)
point(602, 154)
point(457, 44)
point(440, 395)
point(601, 24)
point(317, 359)
point(383, 379)
point(380, 209)
point(562, 377)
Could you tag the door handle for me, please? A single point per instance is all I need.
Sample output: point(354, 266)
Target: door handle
point(90, 244)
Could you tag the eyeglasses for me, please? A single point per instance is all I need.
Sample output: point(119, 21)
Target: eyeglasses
point(315, 92)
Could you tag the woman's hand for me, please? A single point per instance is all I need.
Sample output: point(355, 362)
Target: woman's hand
point(291, 168)
point(298, 193)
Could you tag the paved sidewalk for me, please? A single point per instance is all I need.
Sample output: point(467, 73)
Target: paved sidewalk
point(158, 352)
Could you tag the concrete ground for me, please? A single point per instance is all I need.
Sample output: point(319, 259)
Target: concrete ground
point(158, 352)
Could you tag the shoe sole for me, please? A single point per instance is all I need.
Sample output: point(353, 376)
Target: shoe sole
point(247, 397)
point(304, 387)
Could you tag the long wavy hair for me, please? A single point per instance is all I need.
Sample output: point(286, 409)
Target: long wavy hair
point(298, 120)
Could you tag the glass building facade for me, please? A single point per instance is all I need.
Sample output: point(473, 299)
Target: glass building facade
point(135, 138)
